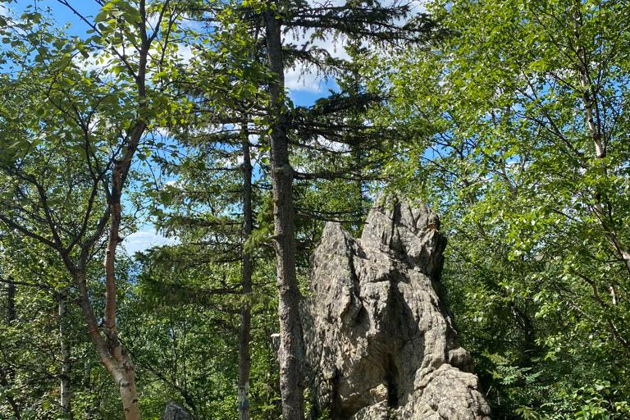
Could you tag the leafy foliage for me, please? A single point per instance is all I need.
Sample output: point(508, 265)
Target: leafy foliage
point(510, 118)
point(518, 119)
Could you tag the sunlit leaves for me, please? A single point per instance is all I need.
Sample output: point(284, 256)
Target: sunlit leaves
point(508, 155)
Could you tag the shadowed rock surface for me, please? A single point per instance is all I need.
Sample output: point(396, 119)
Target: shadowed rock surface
point(175, 412)
point(379, 343)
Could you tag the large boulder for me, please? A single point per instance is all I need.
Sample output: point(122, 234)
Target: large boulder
point(379, 342)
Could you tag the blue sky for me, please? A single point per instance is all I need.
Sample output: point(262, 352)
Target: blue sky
point(304, 87)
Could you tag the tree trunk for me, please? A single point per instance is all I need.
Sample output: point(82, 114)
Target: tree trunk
point(110, 351)
point(290, 353)
point(64, 386)
point(244, 359)
point(11, 315)
point(594, 127)
point(118, 361)
point(126, 379)
point(6, 374)
point(15, 407)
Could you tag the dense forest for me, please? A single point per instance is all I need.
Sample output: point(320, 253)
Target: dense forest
point(508, 118)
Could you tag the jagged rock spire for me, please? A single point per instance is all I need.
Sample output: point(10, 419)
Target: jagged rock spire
point(379, 342)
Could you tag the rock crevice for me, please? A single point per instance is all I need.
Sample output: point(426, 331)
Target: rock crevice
point(379, 342)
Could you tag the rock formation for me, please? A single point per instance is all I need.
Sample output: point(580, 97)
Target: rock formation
point(175, 412)
point(379, 343)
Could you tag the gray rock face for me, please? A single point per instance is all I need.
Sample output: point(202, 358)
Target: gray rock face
point(175, 412)
point(379, 343)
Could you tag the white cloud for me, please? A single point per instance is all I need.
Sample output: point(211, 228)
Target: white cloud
point(95, 61)
point(254, 138)
point(145, 239)
point(419, 6)
point(184, 53)
point(333, 146)
point(300, 78)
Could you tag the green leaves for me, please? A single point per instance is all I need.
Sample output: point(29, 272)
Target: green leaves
point(507, 152)
point(113, 12)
